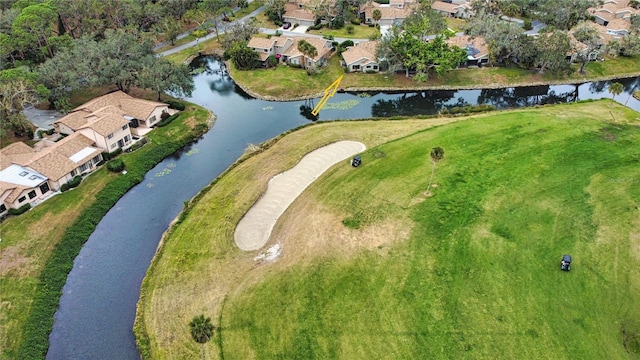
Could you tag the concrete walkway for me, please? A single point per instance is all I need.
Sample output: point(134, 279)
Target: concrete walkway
point(254, 229)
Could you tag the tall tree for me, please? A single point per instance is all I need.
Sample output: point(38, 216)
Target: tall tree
point(436, 154)
point(160, 75)
point(615, 89)
point(217, 8)
point(33, 31)
point(589, 37)
point(239, 31)
point(201, 330)
point(552, 52)
point(377, 15)
point(243, 57)
point(275, 9)
point(564, 14)
point(18, 88)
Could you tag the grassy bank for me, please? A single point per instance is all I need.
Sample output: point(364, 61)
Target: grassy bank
point(471, 272)
point(276, 83)
point(38, 247)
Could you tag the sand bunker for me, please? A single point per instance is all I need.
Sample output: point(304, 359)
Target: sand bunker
point(255, 227)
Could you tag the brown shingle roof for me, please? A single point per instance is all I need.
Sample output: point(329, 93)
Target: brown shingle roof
point(388, 12)
point(10, 191)
point(54, 162)
point(261, 43)
point(110, 119)
point(293, 11)
point(478, 43)
point(362, 50)
point(128, 104)
point(16, 153)
point(318, 43)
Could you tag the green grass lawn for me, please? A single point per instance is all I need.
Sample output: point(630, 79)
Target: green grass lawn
point(470, 272)
point(359, 32)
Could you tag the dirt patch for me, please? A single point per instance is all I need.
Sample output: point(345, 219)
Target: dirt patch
point(305, 238)
point(11, 259)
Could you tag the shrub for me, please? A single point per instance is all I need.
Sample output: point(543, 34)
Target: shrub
point(355, 21)
point(199, 33)
point(350, 29)
point(315, 27)
point(296, 25)
point(164, 115)
point(278, 33)
point(329, 37)
point(336, 23)
point(372, 24)
point(50, 131)
point(278, 22)
point(527, 24)
point(75, 181)
point(21, 210)
point(168, 120)
point(345, 44)
point(177, 105)
point(115, 165)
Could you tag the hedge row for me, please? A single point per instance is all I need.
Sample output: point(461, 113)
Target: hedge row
point(21, 210)
point(39, 324)
point(168, 120)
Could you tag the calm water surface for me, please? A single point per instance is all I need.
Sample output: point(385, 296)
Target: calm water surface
point(97, 309)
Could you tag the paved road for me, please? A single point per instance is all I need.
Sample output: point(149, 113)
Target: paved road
point(222, 26)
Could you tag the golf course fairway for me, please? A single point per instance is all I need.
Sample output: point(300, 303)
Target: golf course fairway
point(372, 267)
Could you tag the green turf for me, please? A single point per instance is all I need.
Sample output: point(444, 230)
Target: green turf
point(479, 276)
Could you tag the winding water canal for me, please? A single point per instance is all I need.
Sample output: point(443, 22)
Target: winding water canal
point(97, 309)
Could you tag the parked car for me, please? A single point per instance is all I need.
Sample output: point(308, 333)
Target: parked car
point(565, 263)
point(286, 25)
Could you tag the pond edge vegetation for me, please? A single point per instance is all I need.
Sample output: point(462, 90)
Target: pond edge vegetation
point(53, 276)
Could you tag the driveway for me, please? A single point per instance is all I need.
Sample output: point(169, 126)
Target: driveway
point(301, 29)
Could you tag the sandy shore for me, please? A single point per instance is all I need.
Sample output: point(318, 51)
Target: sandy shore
point(255, 227)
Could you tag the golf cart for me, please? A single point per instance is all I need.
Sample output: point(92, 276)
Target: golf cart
point(355, 162)
point(565, 264)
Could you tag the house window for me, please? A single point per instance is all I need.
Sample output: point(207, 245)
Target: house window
point(125, 127)
point(127, 138)
point(113, 145)
point(22, 199)
point(96, 159)
point(83, 167)
point(265, 50)
point(2, 208)
point(152, 119)
point(44, 188)
point(24, 173)
point(110, 136)
point(375, 67)
point(32, 194)
point(356, 67)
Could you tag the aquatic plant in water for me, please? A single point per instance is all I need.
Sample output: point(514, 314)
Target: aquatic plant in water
point(342, 105)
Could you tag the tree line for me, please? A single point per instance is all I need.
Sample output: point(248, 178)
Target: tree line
point(49, 48)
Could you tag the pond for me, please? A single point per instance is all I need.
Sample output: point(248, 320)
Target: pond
point(97, 309)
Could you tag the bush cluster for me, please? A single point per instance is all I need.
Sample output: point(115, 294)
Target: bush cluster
point(355, 21)
point(106, 156)
point(315, 27)
point(21, 210)
point(71, 183)
point(115, 165)
point(176, 105)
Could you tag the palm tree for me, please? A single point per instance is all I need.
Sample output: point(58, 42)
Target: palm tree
point(615, 89)
point(201, 330)
point(437, 154)
point(377, 15)
point(307, 50)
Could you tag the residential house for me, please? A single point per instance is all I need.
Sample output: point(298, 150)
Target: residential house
point(29, 175)
point(614, 18)
point(298, 14)
point(477, 50)
point(453, 8)
point(285, 48)
point(393, 13)
point(361, 57)
point(112, 120)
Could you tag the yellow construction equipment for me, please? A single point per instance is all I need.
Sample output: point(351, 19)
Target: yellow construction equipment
point(328, 92)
